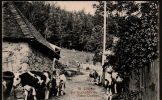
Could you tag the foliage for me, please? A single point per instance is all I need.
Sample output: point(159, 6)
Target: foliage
point(136, 24)
point(35, 12)
point(72, 30)
point(137, 29)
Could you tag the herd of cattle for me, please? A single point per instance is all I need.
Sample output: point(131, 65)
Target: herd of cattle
point(112, 81)
point(43, 85)
point(36, 85)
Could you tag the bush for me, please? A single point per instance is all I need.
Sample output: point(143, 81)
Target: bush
point(87, 68)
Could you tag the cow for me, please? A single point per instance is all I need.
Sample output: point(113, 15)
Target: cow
point(28, 81)
point(108, 83)
point(54, 84)
point(7, 84)
point(48, 83)
point(62, 83)
point(99, 78)
point(94, 75)
point(113, 83)
point(118, 82)
point(34, 81)
point(46, 77)
point(108, 76)
point(58, 83)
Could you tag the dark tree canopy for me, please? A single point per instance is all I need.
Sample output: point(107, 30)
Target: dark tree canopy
point(137, 30)
point(136, 24)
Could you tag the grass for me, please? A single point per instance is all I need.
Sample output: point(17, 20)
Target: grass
point(70, 57)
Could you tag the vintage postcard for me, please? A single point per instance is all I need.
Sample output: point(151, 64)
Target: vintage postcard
point(80, 50)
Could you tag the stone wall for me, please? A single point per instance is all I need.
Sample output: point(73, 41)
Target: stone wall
point(39, 61)
point(20, 56)
point(14, 56)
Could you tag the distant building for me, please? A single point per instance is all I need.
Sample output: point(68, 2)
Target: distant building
point(23, 47)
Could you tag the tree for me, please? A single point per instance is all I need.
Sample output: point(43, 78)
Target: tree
point(36, 12)
point(66, 29)
point(137, 29)
point(136, 24)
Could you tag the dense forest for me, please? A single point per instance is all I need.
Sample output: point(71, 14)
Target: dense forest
point(136, 24)
point(72, 30)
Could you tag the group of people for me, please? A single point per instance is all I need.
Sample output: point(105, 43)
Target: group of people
point(36, 85)
point(110, 79)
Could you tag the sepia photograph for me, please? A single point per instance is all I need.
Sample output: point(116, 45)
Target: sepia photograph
point(80, 50)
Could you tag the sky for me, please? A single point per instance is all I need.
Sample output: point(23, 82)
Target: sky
point(76, 5)
point(79, 5)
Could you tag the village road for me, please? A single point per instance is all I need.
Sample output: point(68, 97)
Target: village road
point(80, 88)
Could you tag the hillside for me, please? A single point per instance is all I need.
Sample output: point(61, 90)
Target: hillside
point(69, 57)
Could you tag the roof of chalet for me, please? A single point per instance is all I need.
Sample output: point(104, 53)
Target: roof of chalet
point(16, 26)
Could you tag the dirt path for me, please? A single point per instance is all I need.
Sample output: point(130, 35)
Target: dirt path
point(80, 88)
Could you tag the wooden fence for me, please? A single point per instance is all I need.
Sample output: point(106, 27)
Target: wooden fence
point(148, 82)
